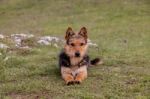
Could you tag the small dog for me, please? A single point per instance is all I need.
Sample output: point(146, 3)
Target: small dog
point(73, 60)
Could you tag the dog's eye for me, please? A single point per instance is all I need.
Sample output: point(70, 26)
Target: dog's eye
point(72, 44)
point(81, 44)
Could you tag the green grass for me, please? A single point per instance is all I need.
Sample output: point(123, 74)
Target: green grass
point(119, 27)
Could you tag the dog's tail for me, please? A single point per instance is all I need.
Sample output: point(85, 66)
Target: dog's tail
point(96, 61)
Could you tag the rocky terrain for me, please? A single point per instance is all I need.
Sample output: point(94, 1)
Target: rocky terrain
point(25, 40)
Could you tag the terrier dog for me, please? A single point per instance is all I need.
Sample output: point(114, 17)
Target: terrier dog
point(73, 60)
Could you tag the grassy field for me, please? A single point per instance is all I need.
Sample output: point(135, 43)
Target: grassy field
point(119, 27)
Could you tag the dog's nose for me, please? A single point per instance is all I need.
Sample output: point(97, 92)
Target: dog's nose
point(77, 54)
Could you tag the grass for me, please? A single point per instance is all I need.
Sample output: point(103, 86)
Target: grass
point(119, 27)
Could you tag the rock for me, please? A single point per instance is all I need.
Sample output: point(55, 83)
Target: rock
point(49, 40)
point(43, 42)
point(22, 36)
point(19, 37)
point(18, 42)
point(55, 45)
point(1, 36)
point(3, 46)
point(91, 44)
point(25, 47)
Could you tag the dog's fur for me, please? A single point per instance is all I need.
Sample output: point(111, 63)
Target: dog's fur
point(73, 60)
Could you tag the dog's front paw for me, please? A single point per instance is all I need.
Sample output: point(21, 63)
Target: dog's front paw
point(77, 82)
point(70, 82)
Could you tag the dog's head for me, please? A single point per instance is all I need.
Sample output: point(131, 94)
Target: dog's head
point(76, 43)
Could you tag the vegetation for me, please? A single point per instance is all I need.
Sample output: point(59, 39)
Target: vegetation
point(119, 27)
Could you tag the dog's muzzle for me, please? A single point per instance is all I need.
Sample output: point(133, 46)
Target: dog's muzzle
point(77, 54)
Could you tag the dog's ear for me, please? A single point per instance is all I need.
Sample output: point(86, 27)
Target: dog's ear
point(83, 32)
point(69, 33)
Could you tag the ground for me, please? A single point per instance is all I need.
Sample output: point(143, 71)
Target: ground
point(119, 27)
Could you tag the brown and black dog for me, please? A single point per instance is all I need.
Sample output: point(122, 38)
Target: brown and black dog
point(73, 60)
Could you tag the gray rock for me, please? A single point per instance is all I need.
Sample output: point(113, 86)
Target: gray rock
point(1, 36)
point(19, 37)
point(3, 46)
point(50, 40)
point(90, 43)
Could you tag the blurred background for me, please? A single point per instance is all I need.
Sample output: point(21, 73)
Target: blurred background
point(118, 28)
